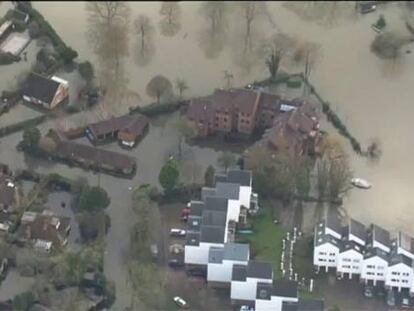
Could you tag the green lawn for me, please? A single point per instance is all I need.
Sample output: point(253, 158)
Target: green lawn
point(266, 242)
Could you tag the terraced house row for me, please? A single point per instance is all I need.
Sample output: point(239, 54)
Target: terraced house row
point(373, 254)
point(210, 247)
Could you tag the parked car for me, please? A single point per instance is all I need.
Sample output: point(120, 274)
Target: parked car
point(197, 272)
point(246, 308)
point(367, 7)
point(368, 291)
point(406, 300)
point(178, 232)
point(390, 298)
point(175, 263)
point(180, 302)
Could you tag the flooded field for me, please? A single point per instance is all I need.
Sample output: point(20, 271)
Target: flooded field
point(374, 97)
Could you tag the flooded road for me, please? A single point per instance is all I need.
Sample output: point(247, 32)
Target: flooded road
point(374, 97)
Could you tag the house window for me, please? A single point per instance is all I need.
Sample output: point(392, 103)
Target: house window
point(370, 273)
point(323, 260)
point(346, 259)
point(356, 260)
point(371, 267)
point(346, 266)
point(395, 273)
point(354, 267)
point(322, 253)
point(331, 260)
point(225, 119)
point(380, 267)
point(380, 274)
point(405, 274)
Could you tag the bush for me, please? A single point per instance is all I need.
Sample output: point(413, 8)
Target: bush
point(7, 130)
point(158, 109)
point(8, 58)
point(86, 71)
point(93, 199)
point(294, 82)
point(34, 30)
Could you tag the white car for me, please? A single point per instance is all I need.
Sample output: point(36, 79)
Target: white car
point(180, 302)
point(178, 232)
point(360, 183)
point(246, 308)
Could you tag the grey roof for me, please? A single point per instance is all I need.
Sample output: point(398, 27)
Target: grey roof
point(212, 234)
point(357, 229)
point(322, 238)
point(216, 204)
point(207, 192)
point(228, 190)
point(214, 218)
point(279, 288)
point(375, 251)
point(242, 177)
point(379, 235)
point(259, 269)
point(239, 273)
point(220, 178)
point(197, 208)
point(236, 251)
point(332, 222)
point(347, 245)
point(193, 238)
point(215, 255)
point(396, 259)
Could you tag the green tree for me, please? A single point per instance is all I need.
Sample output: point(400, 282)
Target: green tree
point(381, 22)
point(23, 301)
point(209, 176)
point(86, 71)
point(168, 176)
point(226, 160)
point(93, 199)
point(31, 137)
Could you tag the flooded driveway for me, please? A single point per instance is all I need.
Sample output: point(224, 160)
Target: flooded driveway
point(14, 284)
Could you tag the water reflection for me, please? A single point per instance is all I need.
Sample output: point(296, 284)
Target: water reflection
point(170, 23)
point(145, 46)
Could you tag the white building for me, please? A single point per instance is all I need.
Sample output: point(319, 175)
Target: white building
point(400, 272)
point(375, 265)
point(327, 243)
point(221, 261)
point(272, 296)
point(245, 279)
point(350, 259)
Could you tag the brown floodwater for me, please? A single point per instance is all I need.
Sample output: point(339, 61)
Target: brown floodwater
point(374, 97)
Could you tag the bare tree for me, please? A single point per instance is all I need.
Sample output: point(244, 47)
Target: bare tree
point(215, 13)
point(181, 86)
point(107, 12)
point(158, 87)
point(228, 77)
point(171, 18)
point(251, 10)
point(187, 130)
point(226, 160)
point(339, 177)
point(322, 177)
point(144, 29)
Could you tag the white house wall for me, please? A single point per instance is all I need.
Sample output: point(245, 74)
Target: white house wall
point(381, 246)
point(399, 276)
point(246, 290)
point(245, 196)
point(198, 255)
point(233, 210)
point(374, 269)
point(405, 253)
point(266, 305)
point(356, 239)
point(332, 233)
point(222, 272)
point(325, 255)
point(350, 262)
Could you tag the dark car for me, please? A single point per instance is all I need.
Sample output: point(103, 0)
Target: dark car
point(367, 7)
point(175, 263)
point(197, 272)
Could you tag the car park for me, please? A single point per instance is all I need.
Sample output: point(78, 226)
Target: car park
point(178, 232)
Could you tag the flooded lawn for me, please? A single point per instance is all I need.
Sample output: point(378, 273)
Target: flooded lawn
point(14, 284)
